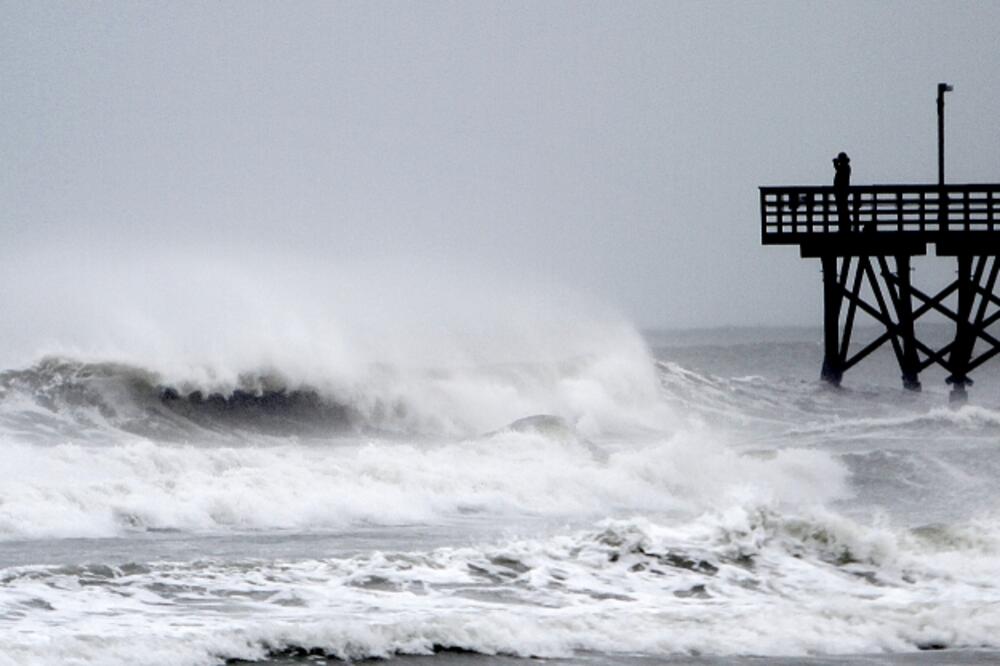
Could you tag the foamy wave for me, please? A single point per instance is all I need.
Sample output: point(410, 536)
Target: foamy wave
point(413, 348)
point(612, 392)
point(93, 490)
point(744, 580)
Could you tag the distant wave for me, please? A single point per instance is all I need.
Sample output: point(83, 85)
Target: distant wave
point(967, 418)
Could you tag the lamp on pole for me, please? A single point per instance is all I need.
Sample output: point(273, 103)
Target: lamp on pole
point(942, 89)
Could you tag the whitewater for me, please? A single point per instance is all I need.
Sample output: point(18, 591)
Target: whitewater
point(539, 486)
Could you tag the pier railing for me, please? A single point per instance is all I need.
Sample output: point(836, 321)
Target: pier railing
point(925, 213)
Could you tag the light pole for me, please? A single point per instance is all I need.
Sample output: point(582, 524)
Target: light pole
point(942, 89)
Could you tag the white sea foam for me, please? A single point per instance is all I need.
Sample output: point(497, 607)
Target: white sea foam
point(740, 580)
point(98, 490)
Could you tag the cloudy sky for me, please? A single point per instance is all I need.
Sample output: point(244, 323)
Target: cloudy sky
point(613, 147)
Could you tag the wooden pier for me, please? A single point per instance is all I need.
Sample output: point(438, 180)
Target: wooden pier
point(866, 247)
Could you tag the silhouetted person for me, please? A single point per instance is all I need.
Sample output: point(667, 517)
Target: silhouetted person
point(841, 184)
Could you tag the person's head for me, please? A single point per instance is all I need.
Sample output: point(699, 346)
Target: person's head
point(841, 160)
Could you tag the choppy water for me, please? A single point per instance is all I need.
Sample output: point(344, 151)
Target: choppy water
point(694, 497)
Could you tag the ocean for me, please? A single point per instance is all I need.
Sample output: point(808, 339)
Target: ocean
point(669, 497)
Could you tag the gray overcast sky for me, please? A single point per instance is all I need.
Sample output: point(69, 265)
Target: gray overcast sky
point(615, 147)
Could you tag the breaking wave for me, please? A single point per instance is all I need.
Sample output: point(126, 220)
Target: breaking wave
point(743, 580)
point(103, 449)
point(65, 398)
point(70, 490)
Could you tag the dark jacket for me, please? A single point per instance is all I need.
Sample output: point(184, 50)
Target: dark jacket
point(842, 178)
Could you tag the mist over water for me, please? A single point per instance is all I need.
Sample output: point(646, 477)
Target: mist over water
point(244, 306)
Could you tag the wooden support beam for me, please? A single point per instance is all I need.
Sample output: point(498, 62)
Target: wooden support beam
point(929, 302)
point(985, 291)
point(868, 349)
point(988, 295)
point(933, 357)
point(910, 366)
point(961, 350)
point(883, 308)
point(982, 358)
point(982, 321)
point(891, 326)
point(937, 357)
point(852, 309)
point(832, 371)
point(935, 303)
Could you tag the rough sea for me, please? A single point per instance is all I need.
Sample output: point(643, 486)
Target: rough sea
point(678, 497)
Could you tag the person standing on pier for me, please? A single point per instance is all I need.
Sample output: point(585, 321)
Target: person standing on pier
point(841, 183)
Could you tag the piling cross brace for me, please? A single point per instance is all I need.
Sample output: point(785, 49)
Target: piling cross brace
point(899, 331)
